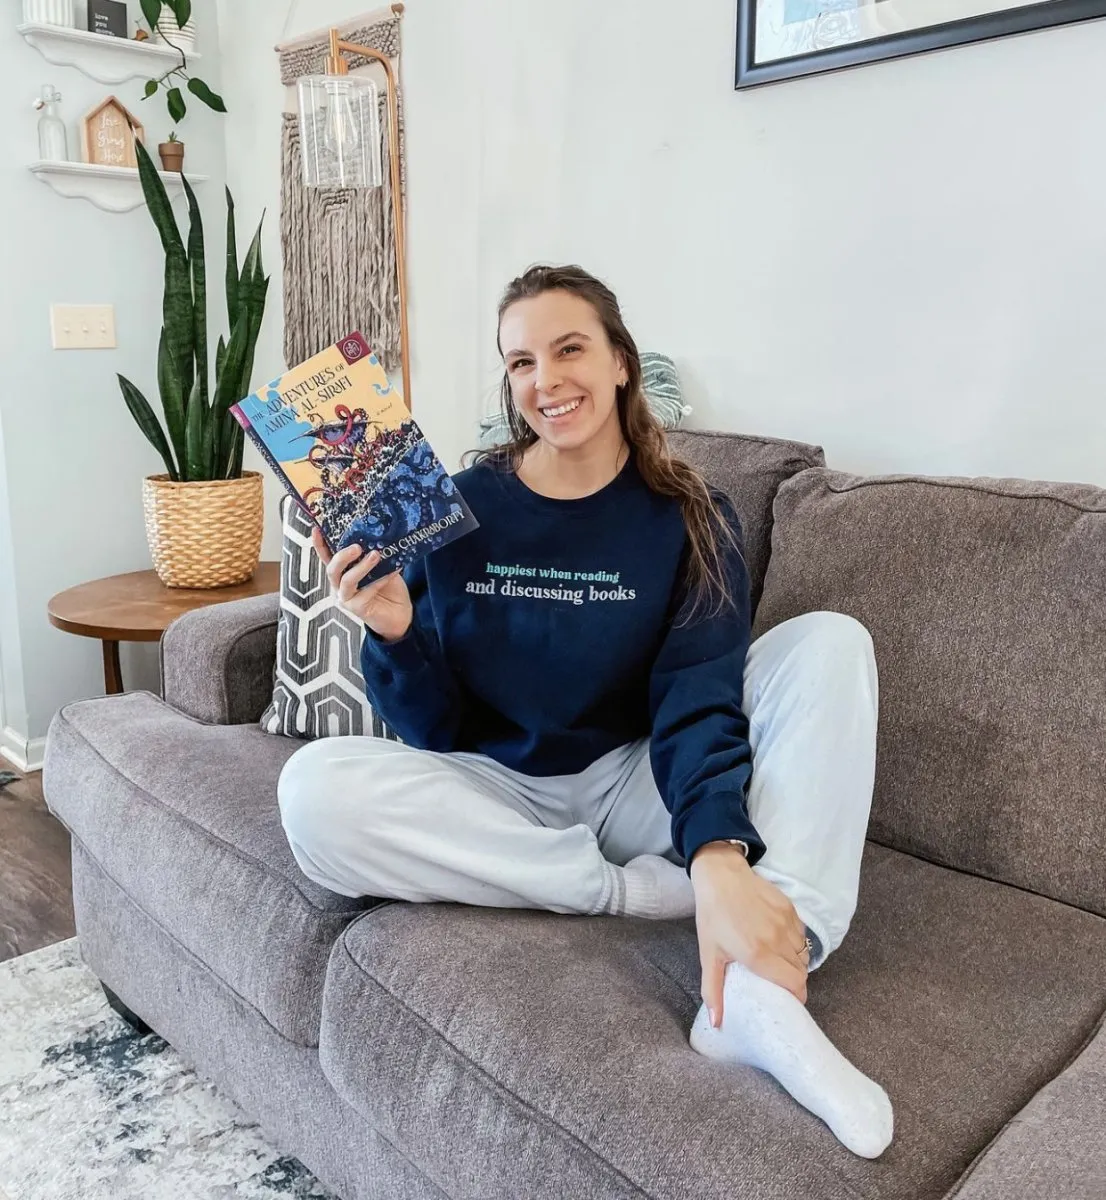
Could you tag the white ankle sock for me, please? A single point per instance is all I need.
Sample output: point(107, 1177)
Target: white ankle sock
point(650, 886)
point(764, 1026)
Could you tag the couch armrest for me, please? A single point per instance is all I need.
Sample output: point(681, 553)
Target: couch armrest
point(217, 662)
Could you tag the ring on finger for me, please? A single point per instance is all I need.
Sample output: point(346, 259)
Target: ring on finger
point(806, 948)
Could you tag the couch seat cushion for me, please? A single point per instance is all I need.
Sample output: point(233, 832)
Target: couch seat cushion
point(512, 1054)
point(183, 816)
point(1055, 1148)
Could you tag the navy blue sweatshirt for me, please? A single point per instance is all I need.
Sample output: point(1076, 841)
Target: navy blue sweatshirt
point(552, 634)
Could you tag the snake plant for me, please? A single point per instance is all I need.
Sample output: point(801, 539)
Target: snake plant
point(204, 441)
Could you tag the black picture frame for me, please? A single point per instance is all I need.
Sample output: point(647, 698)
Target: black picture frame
point(1024, 19)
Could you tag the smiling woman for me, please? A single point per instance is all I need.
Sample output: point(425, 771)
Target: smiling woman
point(576, 696)
point(568, 383)
point(576, 411)
point(551, 404)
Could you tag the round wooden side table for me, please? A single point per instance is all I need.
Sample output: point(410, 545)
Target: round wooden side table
point(138, 607)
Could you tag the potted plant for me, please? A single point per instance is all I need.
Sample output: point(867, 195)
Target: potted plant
point(172, 153)
point(172, 21)
point(204, 513)
point(170, 30)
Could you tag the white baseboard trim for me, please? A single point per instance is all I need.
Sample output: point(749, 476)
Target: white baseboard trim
point(27, 755)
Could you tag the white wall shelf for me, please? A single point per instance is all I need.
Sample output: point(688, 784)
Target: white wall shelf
point(114, 189)
point(106, 59)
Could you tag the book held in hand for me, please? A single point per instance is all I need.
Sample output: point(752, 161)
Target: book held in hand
point(349, 453)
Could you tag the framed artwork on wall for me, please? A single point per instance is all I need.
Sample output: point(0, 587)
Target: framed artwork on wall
point(785, 39)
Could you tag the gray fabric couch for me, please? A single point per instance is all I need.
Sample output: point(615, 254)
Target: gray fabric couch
point(409, 1051)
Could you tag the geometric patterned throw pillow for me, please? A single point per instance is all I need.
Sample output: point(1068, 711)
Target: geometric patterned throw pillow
point(318, 689)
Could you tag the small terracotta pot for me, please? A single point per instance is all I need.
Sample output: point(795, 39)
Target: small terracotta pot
point(172, 155)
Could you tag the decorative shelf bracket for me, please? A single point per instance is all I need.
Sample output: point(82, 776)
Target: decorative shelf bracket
point(107, 59)
point(114, 189)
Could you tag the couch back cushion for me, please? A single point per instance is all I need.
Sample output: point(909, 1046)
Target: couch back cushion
point(749, 470)
point(984, 598)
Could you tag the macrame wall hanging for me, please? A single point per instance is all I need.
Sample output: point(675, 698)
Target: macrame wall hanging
point(338, 245)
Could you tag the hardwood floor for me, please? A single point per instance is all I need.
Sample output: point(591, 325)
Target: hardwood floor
point(36, 899)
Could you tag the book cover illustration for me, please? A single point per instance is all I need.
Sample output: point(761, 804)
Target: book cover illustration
point(348, 451)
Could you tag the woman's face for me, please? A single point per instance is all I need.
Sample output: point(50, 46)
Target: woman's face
point(562, 370)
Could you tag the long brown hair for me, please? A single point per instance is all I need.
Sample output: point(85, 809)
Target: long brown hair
point(707, 529)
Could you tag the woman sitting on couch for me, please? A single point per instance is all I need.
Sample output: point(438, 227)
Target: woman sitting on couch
point(585, 726)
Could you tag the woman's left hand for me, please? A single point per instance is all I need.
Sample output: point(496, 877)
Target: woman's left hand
point(743, 918)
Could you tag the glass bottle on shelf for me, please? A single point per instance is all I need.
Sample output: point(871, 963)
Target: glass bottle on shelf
point(52, 143)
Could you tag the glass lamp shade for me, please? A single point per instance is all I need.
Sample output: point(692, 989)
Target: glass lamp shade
point(340, 131)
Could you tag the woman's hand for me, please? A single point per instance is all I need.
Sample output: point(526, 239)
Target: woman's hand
point(743, 918)
point(384, 606)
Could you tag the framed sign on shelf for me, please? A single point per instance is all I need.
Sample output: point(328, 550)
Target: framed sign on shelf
point(107, 135)
point(785, 39)
point(108, 17)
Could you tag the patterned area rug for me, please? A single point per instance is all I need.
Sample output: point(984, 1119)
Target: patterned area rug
point(91, 1111)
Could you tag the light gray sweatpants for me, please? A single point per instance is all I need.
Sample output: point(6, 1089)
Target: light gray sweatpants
point(365, 816)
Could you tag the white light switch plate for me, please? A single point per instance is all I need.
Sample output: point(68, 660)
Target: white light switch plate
point(82, 327)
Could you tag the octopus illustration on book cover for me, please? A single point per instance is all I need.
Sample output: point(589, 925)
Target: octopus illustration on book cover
point(351, 455)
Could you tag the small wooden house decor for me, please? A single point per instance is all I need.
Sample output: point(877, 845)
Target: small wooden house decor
point(107, 135)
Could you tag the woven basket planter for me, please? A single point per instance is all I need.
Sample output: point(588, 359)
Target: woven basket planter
point(204, 535)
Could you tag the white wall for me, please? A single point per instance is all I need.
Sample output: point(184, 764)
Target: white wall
point(73, 459)
point(901, 262)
